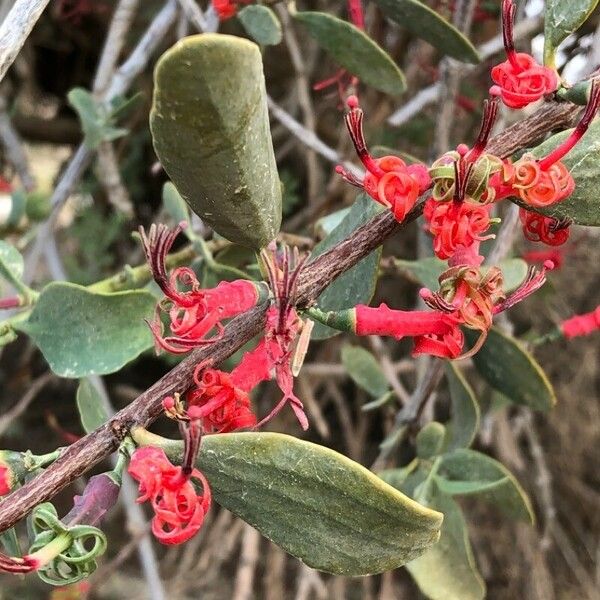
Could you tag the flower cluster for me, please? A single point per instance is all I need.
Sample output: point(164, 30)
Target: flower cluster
point(520, 80)
point(388, 180)
point(194, 313)
point(180, 502)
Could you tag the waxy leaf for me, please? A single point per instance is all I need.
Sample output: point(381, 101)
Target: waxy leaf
point(355, 51)
point(467, 488)
point(364, 370)
point(261, 24)
point(562, 18)
point(357, 285)
point(91, 408)
point(448, 571)
point(463, 426)
point(11, 263)
point(174, 204)
point(430, 440)
point(583, 205)
point(318, 505)
point(210, 128)
point(508, 496)
point(84, 333)
point(510, 369)
point(428, 270)
point(427, 24)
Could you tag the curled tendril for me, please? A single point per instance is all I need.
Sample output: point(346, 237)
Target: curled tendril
point(78, 560)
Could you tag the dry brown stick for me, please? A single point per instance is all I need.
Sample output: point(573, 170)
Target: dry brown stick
point(244, 581)
point(94, 447)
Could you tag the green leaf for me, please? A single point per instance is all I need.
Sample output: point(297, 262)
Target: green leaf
point(562, 18)
point(463, 426)
point(357, 285)
point(325, 225)
point(448, 571)
point(174, 204)
point(427, 271)
point(397, 477)
point(10, 542)
point(427, 24)
point(467, 488)
point(91, 408)
point(210, 128)
point(96, 122)
point(583, 205)
point(510, 369)
point(364, 370)
point(430, 440)
point(84, 333)
point(11, 263)
point(261, 24)
point(320, 506)
point(353, 50)
point(465, 465)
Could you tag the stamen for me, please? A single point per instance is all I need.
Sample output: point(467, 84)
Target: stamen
point(490, 113)
point(348, 177)
point(508, 19)
point(533, 282)
point(583, 125)
point(354, 123)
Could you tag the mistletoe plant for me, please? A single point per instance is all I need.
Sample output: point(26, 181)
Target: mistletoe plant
point(211, 133)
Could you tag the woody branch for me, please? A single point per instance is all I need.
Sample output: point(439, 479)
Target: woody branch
point(81, 456)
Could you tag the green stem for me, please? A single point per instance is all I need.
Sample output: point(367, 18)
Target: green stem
point(423, 492)
point(51, 550)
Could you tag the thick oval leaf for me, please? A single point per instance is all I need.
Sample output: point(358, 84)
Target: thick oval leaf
point(364, 370)
point(318, 505)
point(467, 488)
point(509, 497)
point(428, 270)
point(353, 50)
point(448, 570)
point(562, 18)
point(583, 205)
point(11, 262)
point(425, 23)
point(210, 128)
point(357, 285)
point(261, 24)
point(92, 412)
point(510, 369)
point(84, 333)
point(463, 426)
point(430, 440)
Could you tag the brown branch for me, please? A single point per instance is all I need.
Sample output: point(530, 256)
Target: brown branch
point(90, 450)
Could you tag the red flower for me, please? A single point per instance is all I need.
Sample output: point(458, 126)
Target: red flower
point(5, 187)
point(5, 480)
point(520, 80)
point(389, 180)
point(554, 255)
point(455, 225)
point(193, 313)
point(226, 9)
point(220, 404)
point(539, 228)
point(179, 509)
point(581, 324)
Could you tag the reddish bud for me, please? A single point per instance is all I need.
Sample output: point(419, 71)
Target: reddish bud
point(581, 325)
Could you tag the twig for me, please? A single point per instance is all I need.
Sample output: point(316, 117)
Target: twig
point(195, 15)
point(312, 406)
point(113, 44)
point(109, 175)
point(14, 149)
point(506, 236)
point(308, 138)
point(244, 581)
point(430, 94)
point(21, 406)
point(304, 99)
point(388, 368)
point(15, 29)
point(88, 451)
point(310, 580)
